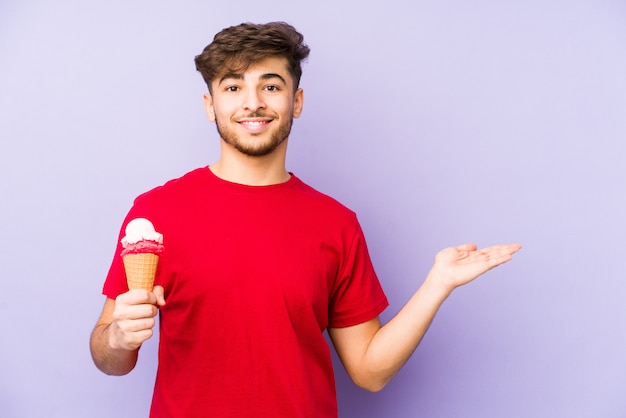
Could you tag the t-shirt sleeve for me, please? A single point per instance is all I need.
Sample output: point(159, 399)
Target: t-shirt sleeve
point(357, 296)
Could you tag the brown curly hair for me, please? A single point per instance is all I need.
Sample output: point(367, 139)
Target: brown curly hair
point(235, 48)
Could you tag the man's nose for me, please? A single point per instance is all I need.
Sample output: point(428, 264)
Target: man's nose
point(253, 100)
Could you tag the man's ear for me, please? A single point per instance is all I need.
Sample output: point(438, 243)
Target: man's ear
point(298, 103)
point(208, 107)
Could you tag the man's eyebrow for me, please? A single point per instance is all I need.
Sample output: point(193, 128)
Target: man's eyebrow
point(227, 76)
point(238, 76)
point(273, 75)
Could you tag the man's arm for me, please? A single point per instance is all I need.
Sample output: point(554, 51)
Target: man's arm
point(124, 324)
point(372, 354)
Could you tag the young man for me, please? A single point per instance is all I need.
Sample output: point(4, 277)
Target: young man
point(257, 264)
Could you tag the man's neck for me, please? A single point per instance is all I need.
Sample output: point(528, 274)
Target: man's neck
point(252, 171)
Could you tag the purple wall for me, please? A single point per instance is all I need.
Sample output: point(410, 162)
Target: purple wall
point(438, 122)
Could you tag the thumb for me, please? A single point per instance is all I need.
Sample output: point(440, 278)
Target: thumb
point(467, 247)
point(159, 292)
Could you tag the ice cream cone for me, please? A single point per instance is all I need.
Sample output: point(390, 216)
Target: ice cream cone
point(140, 270)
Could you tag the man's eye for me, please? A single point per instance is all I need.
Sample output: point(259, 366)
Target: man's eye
point(271, 88)
point(232, 88)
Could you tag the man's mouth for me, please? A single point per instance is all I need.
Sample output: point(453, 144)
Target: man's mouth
point(254, 122)
point(255, 125)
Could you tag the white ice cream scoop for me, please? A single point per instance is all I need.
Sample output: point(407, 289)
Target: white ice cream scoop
point(141, 229)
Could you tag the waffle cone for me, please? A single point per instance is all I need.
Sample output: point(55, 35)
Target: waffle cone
point(140, 270)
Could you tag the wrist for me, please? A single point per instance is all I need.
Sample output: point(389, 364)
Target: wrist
point(436, 284)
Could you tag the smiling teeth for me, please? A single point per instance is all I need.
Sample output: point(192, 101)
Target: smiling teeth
point(254, 123)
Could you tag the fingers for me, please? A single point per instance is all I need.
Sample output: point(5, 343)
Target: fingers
point(130, 335)
point(133, 318)
point(137, 297)
point(133, 312)
point(503, 248)
point(136, 325)
point(135, 304)
point(498, 254)
point(466, 247)
point(159, 292)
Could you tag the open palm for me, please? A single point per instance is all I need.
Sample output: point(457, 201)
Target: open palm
point(460, 265)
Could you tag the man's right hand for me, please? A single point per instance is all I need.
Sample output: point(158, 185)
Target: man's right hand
point(133, 318)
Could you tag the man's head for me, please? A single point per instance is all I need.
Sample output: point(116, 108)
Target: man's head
point(235, 48)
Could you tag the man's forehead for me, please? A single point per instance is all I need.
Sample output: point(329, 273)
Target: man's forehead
point(273, 67)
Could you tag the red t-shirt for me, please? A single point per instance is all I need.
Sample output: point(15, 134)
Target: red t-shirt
point(252, 278)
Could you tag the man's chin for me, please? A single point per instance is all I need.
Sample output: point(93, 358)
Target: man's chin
point(257, 152)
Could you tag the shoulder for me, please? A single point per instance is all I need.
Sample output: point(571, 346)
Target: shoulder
point(323, 204)
point(170, 203)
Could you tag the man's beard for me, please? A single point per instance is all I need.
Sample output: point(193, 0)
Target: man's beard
point(253, 148)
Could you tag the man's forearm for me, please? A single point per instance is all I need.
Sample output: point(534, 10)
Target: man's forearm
point(109, 360)
point(395, 342)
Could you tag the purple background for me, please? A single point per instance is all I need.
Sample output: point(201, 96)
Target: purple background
point(438, 122)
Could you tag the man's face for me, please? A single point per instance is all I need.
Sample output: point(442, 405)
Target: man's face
point(254, 110)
